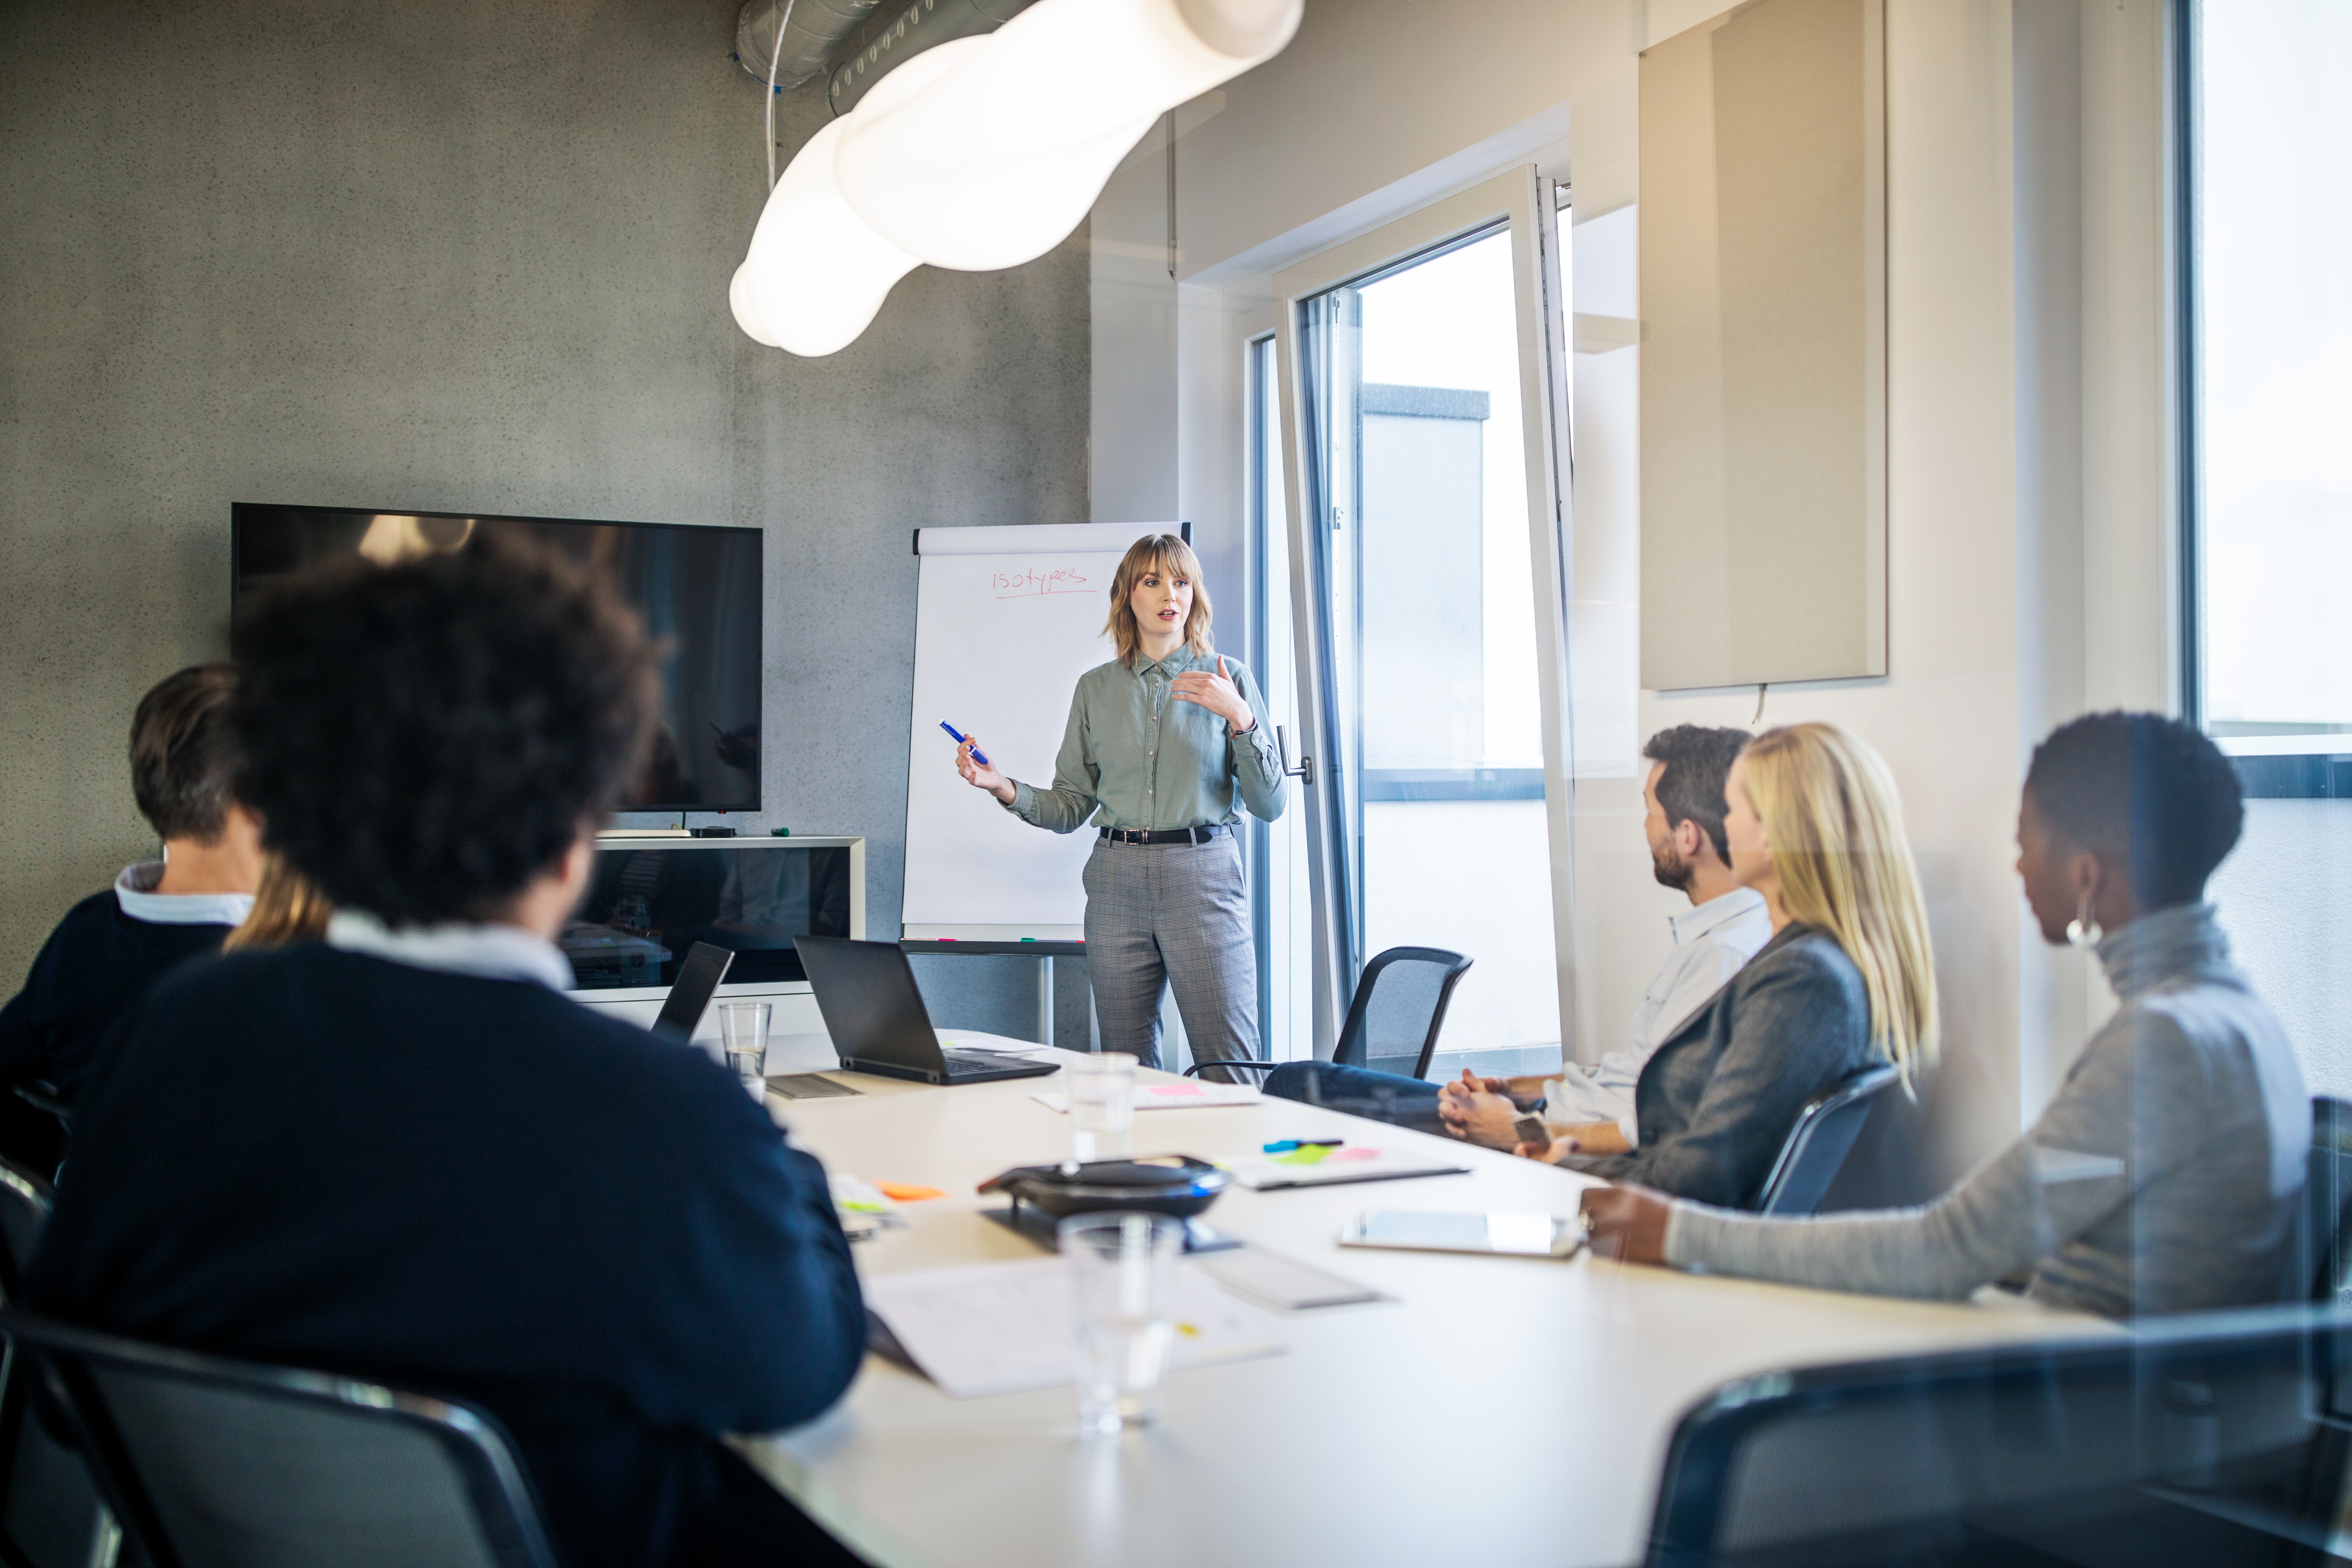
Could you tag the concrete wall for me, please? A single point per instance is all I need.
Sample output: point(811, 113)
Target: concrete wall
point(421, 253)
point(2030, 535)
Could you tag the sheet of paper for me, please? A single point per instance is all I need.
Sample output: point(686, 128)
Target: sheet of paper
point(1001, 1327)
point(1187, 1095)
point(1349, 1162)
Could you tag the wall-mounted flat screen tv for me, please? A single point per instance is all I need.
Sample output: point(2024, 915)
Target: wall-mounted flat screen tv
point(697, 588)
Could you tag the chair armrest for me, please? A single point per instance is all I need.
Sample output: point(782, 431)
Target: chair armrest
point(1250, 1062)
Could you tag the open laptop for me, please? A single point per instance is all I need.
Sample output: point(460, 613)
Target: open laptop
point(878, 1022)
point(689, 995)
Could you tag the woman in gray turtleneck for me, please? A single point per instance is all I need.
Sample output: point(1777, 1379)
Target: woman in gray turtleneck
point(2164, 1177)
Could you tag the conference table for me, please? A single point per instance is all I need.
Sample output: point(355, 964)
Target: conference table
point(1497, 1409)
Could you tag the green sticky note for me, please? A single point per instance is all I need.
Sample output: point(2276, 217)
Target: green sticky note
point(1313, 1155)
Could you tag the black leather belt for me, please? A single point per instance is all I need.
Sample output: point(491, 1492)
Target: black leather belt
point(1166, 836)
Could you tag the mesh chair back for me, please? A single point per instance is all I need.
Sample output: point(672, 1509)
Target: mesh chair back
point(2327, 1201)
point(218, 1464)
point(1820, 1141)
point(2159, 1448)
point(1398, 1008)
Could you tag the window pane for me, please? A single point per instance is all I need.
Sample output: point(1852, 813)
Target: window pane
point(2275, 255)
point(2275, 346)
point(1413, 382)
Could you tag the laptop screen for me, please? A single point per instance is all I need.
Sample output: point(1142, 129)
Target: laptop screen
point(697, 981)
point(867, 992)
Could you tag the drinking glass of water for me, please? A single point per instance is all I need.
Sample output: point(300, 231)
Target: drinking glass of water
point(744, 1025)
point(1122, 1270)
point(1102, 1105)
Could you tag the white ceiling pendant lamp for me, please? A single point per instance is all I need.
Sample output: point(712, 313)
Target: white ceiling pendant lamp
point(816, 273)
point(983, 153)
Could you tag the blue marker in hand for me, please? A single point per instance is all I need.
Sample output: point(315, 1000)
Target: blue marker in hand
point(977, 754)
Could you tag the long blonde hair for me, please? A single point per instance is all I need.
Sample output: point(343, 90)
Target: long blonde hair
point(1835, 825)
point(288, 908)
point(1169, 556)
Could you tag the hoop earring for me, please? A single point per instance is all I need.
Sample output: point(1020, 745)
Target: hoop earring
point(2084, 931)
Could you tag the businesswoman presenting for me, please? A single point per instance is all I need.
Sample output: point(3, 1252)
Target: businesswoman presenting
point(1160, 743)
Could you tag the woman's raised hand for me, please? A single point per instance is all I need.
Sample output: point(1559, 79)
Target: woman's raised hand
point(979, 775)
point(1218, 694)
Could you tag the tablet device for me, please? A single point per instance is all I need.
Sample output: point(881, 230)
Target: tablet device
point(1517, 1234)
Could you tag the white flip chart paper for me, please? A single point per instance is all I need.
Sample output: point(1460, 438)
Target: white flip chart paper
point(1007, 619)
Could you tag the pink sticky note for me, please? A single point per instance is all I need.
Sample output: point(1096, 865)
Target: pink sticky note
point(1177, 1088)
point(1343, 1156)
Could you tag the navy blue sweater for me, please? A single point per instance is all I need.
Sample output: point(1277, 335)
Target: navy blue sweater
point(465, 1186)
point(92, 965)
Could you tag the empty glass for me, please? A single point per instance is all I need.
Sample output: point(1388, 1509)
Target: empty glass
point(1121, 1274)
point(744, 1025)
point(1102, 1105)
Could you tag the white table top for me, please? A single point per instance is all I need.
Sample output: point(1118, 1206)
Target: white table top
point(1502, 1409)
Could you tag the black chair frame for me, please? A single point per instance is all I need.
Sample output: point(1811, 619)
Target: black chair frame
point(1703, 1455)
point(1349, 1051)
point(29, 1197)
point(1790, 1187)
point(63, 1357)
point(2328, 1199)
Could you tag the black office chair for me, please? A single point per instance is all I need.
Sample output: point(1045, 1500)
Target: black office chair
point(2213, 1439)
point(219, 1464)
point(50, 1514)
point(1395, 1016)
point(1817, 1144)
point(2327, 1200)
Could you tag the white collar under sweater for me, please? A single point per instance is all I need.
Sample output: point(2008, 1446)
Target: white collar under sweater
point(135, 892)
point(491, 952)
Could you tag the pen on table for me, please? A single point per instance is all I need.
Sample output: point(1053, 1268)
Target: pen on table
point(1285, 1145)
point(977, 754)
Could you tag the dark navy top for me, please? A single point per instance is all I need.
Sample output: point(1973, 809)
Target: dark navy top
point(92, 965)
point(472, 1187)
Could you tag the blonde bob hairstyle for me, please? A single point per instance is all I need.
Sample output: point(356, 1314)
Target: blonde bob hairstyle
point(1169, 556)
point(1835, 827)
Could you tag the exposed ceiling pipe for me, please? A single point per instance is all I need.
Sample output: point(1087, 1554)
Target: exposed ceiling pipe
point(814, 30)
point(906, 31)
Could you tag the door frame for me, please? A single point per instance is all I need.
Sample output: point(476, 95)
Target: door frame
point(1526, 201)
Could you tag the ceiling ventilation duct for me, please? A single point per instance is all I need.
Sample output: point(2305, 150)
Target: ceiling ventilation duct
point(815, 31)
point(913, 27)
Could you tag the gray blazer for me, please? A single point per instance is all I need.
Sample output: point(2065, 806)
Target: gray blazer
point(1717, 1100)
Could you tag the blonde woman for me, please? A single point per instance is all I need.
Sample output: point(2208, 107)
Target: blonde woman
point(288, 908)
point(1166, 744)
point(1846, 981)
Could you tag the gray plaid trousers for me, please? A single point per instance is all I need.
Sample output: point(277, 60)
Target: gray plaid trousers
point(1171, 914)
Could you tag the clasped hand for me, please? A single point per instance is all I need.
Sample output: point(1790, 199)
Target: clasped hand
point(1482, 1111)
point(1218, 694)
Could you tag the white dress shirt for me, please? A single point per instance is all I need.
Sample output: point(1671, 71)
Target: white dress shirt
point(135, 892)
point(492, 952)
point(1711, 941)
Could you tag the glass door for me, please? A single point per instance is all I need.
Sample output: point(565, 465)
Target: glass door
point(1425, 377)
